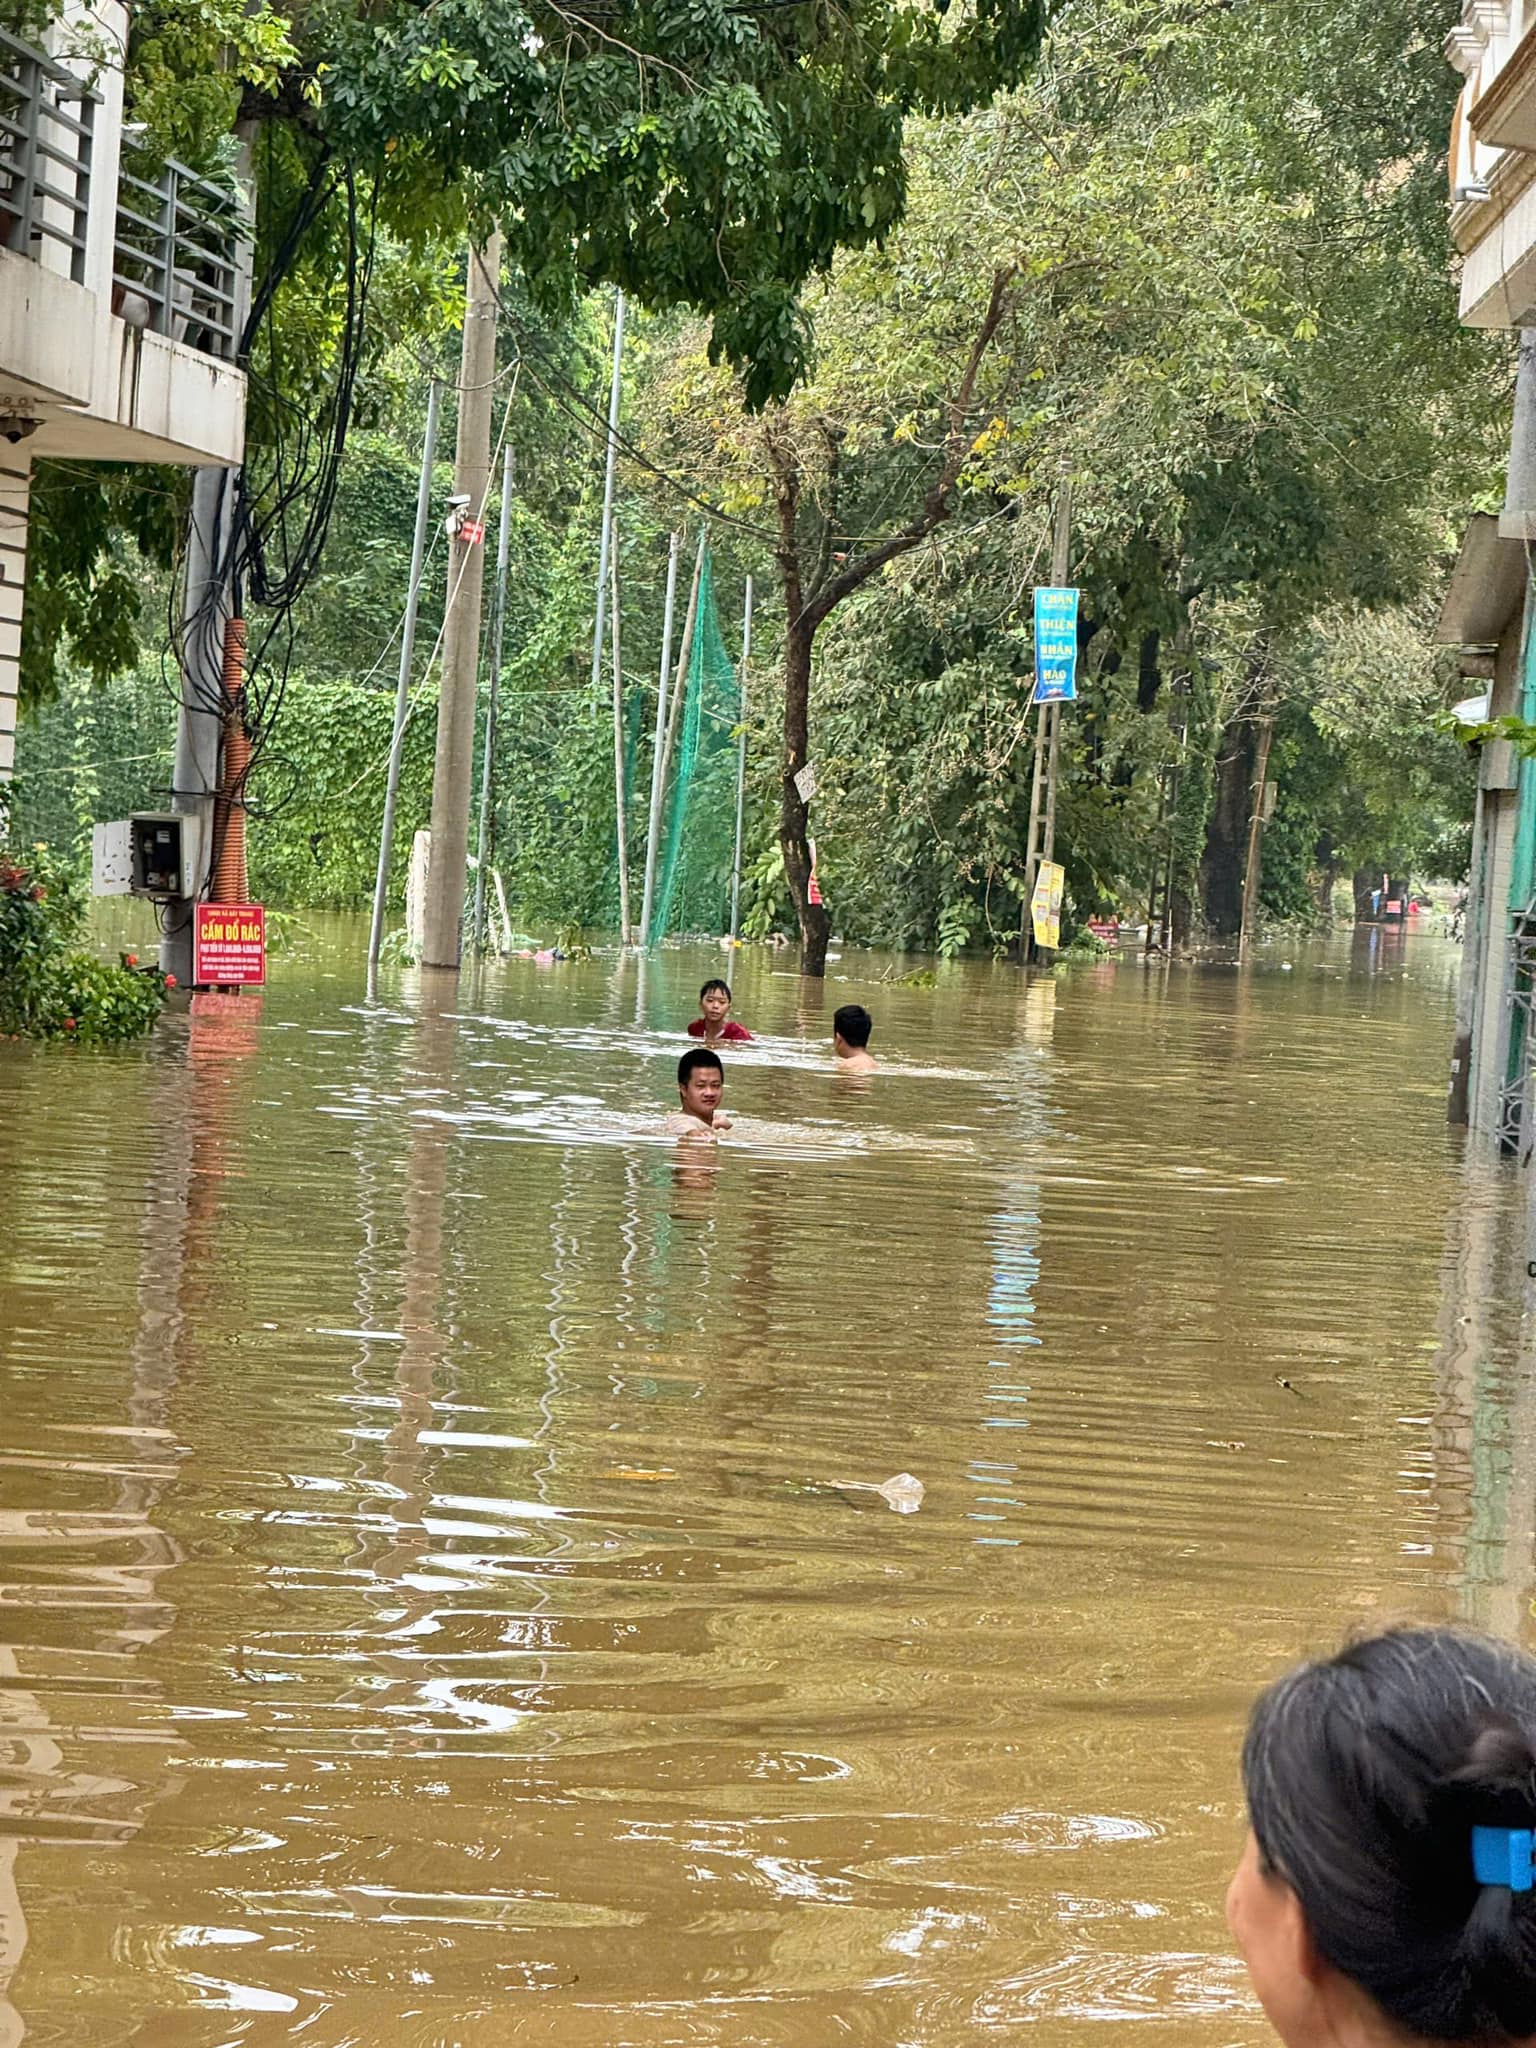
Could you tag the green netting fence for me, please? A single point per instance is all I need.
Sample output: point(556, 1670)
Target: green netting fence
point(693, 887)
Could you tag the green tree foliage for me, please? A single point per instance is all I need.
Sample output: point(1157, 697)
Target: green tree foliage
point(1367, 776)
point(705, 153)
point(1228, 323)
point(96, 535)
point(1211, 242)
point(89, 753)
point(698, 152)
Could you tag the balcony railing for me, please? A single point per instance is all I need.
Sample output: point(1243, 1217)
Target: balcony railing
point(47, 118)
point(176, 264)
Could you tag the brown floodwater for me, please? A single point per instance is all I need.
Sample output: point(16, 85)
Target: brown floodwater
point(443, 1598)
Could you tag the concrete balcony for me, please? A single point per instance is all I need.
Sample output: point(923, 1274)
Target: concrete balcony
point(1503, 112)
point(122, 280)
point(47, 149)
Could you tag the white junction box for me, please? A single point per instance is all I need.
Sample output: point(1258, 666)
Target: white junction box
point(153, 853)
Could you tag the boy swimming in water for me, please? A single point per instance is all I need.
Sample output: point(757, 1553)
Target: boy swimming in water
point(716, 1026)
point(700, 1084)
point(851, 1026)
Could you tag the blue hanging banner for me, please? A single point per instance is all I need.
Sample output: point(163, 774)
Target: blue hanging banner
point(1055, 646)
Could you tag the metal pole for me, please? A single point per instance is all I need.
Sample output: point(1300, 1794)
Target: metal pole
point(605, 539)
point(1061, 569)
point(741, 767)
point(620, 805)
point(1052, 745)
point(493, 690)
point(453, 768)
point(658, 760)
point(685, 656)
point(403, 685)
point(1047, 732)
point(1031, 854)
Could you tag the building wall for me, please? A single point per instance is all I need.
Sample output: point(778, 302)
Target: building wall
point(1495, 45)
point(1490, 910)
point(76, 379)
point(15, 482)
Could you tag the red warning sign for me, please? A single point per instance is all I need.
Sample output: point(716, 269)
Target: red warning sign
point(229, 945)
point(471, 532)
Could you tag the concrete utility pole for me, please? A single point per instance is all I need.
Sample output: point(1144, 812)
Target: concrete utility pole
point(1517, 521)
point(605, 538)
point(403, 681)
point(493, 691)
point(205, 605)
point(741, 764)
point(454, 769)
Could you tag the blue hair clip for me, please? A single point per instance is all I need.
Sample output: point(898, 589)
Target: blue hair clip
point(1504, 1856)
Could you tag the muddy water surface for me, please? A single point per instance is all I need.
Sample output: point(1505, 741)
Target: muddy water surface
point(442, 1595)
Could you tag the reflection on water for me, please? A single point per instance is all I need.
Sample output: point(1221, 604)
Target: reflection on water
point(444, 1591)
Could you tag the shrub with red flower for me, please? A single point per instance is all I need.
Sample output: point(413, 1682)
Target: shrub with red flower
point(48, 987)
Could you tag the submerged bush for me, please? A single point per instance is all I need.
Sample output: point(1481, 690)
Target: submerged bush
point(49, 988)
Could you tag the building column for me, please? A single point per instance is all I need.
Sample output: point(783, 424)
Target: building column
point(15, 487)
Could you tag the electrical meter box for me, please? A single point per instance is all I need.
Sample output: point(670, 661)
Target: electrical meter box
point(162, 854)
point(154, 853)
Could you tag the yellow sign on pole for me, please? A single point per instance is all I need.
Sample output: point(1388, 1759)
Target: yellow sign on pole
point(1045, 906)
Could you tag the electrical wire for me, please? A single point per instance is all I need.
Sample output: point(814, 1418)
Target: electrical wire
point(269, 528)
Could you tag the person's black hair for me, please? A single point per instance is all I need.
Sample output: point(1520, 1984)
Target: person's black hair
point(697, 1056)
point(853, 1024)
point(1365, 1776)
point(715, 983)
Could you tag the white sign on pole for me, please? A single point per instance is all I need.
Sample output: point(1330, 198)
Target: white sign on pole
point(805, 783)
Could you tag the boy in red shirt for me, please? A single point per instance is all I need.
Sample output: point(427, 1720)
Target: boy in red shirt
point(716, 1027)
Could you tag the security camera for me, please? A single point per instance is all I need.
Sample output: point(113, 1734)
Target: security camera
point(1471, 189)
point(16, 426)
point(460, 498)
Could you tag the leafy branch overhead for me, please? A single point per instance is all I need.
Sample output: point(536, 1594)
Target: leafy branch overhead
point(708, 153)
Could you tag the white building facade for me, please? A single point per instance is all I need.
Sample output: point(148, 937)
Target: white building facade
point(123, 286)
point(1492, 161)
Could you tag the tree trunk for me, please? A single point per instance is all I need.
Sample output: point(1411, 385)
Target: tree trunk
point(794, 837)
point(1327, 882)
point(1365, 881)
point(1221, 866)
point(834, 578)
point(1326, 861)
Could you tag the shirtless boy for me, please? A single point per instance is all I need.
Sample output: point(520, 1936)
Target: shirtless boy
point(716, 1026)
point(700, 1084)
point(851, 1026)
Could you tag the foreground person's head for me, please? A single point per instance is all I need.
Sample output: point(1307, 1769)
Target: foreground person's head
point(851, 1026)
point(1385, 1891)
point(700, 1083)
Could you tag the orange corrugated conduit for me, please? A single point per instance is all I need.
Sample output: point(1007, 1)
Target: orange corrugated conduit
point(230, 884)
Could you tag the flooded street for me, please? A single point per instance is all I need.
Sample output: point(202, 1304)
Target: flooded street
point(442, 1598)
